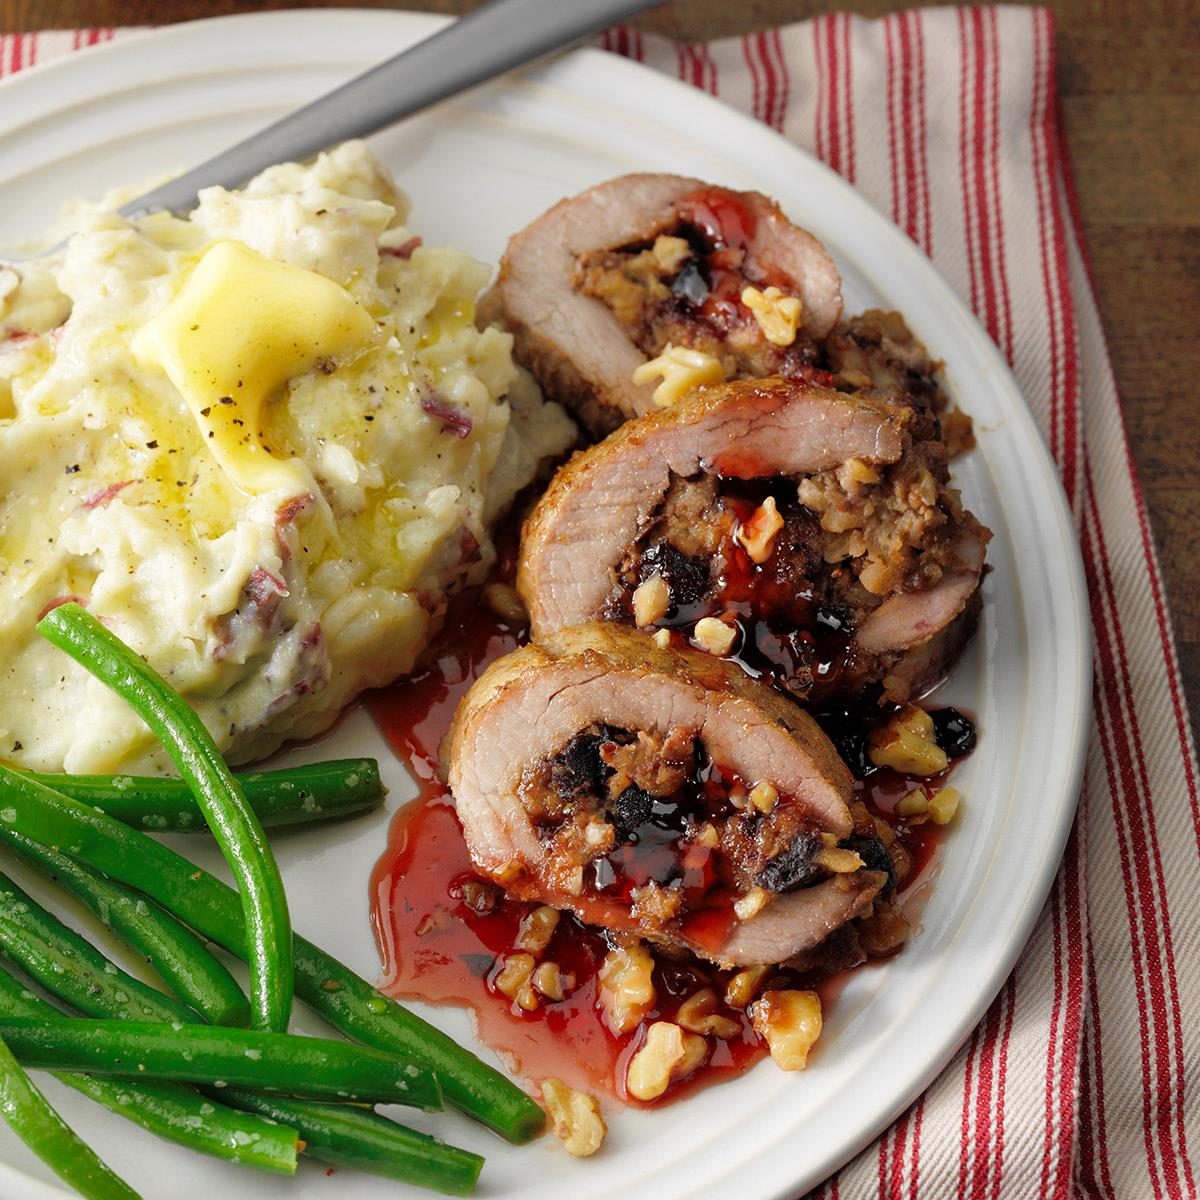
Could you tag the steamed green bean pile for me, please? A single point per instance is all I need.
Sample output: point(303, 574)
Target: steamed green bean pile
point(181, 1062)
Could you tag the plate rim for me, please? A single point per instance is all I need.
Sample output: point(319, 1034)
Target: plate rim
point(779, 1184)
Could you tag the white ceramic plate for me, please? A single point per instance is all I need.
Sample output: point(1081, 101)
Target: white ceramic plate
point(477, 170)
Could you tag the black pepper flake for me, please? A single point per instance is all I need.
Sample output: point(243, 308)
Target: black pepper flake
point(152, 445)
point(73, 469)
point(180, 483)
point(238, 421)
point(205, 411)
point(210, 433)
point(368, 417)
point(225, 400)
point(194, 328)
point(17, 746)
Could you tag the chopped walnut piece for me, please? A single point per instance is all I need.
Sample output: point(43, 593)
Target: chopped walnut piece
point(575, 1116)
point(743, 987)
point(626, 986)
point(599, 834)
point(680, 370)
point(548, 981)
point(662, 638)
point(714, 636)
point(752, 903)
point(778, 316)
point(790, 1023)
point(943, 805)
point(763, 797)
point(906, 743)
point(651, 600)
point(757, 535)
point(914, 804)
point(480, 896)
point(514, 980)
point(698, 1014)
point(537, 928)
point(853, 474)
point(837, 860)
point(671, 252)
point(668, 1053)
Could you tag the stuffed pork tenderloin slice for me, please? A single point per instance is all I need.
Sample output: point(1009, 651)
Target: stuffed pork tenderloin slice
point(659, 793)
point(811, 534)
point(606, 281)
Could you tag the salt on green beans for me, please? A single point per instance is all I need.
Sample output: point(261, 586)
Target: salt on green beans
point(279, 1062)
point(180, 958)
point(170, 1110)
point(344, 999)
point(344, 1136)
point(290, 796)
point(364, 1141)
point(63, 962)
point(32, 1119)
point(232, 821)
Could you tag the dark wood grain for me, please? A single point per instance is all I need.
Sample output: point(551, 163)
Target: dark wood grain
point(1129, 81)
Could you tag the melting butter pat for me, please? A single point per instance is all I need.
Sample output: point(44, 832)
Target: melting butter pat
point(239, 328)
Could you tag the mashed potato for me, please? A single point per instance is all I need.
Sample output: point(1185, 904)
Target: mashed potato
point(261, 444)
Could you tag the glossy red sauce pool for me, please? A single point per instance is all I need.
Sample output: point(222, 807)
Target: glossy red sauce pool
point(437, 948)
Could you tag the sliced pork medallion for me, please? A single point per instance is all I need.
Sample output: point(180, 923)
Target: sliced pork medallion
point(807, 532)
point(707, 282)
point(659, 792)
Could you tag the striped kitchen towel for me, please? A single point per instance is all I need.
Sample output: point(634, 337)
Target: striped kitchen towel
point(1082, 1080)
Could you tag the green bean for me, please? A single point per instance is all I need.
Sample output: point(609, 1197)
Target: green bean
point(176, 954)
point(51, 1139)
point(60, 960)
point(344, 999)
point(232, 821)
point(169, 1110)
point(291, 796)
point(343, 1136)
point(364, 1141)
point(280, 1062)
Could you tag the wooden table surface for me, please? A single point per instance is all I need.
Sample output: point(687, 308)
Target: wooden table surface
point(1129, 80)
